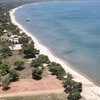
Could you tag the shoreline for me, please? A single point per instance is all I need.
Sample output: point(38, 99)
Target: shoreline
point(87, 91)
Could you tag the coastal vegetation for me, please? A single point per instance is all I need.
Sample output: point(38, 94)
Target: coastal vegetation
point(42, 59)
point(5, 82)
point(5, 51)
point(72, 87)
point(36, 73)
point(57, 70)
point(11, 67)
point(29, 50)
point(13, 74)
point(23, 39)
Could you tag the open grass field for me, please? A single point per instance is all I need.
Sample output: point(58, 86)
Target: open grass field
point(25, 73)
point(61, 96)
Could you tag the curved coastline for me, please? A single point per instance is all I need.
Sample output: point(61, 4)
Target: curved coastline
point(88, 92)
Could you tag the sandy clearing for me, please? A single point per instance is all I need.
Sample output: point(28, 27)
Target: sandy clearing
point(48, 84)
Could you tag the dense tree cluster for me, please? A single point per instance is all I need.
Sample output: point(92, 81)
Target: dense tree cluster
point(23, 39)
point(57, 70)
point(7, 74)
point(40, 60)
point(29, 50)
point(5, 51)
point(37, 64)
point(72, 87)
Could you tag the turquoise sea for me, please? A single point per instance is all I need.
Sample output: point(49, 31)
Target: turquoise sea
point(70, 29)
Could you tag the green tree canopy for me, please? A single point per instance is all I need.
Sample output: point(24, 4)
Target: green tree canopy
point(57, 70)
point(72, 87)
point(29, 50)
point(43, 58)
point(69, 76)
point(5, 51)
point(13, 74)
point(19, 65)
point(4, 68)
point(36, 73)
point(5, 82)
point(74, 95)
point(35, 63)
point(23, 39)
point(40, 60)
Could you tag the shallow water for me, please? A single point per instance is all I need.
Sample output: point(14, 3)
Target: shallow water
point(70, 29)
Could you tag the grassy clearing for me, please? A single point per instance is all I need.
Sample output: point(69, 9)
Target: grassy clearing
point(40, 97)
point(25, 73)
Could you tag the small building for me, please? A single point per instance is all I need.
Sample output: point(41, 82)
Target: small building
point(14, 39)
point(15, 47)
point(14, 36)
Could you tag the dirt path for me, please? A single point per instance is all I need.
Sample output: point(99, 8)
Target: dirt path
point(29, 93)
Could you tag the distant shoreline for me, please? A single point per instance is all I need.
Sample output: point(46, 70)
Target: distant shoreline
point(87, 91)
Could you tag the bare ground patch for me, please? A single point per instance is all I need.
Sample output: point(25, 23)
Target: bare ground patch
point(48, 84)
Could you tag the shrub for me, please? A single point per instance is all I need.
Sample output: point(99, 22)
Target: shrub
point(74, 95)
point(36, 73)
point(35, 63)
point(77, 86)
point(68, 85)
point(29, 50)
point(5, 51)
point(40, 60)
point(4, 69)
point(71, 84)
point(72, 87)
point(43, 58)
point(69, 76)
point(13, 74)
point(5, 82)
point(57, 70)
point(19, 65)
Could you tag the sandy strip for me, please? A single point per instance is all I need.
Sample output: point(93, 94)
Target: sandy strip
point(91, 92)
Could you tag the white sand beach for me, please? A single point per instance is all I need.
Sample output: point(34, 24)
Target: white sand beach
point(90, 90)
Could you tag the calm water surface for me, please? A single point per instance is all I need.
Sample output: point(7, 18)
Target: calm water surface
point(70, 29)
